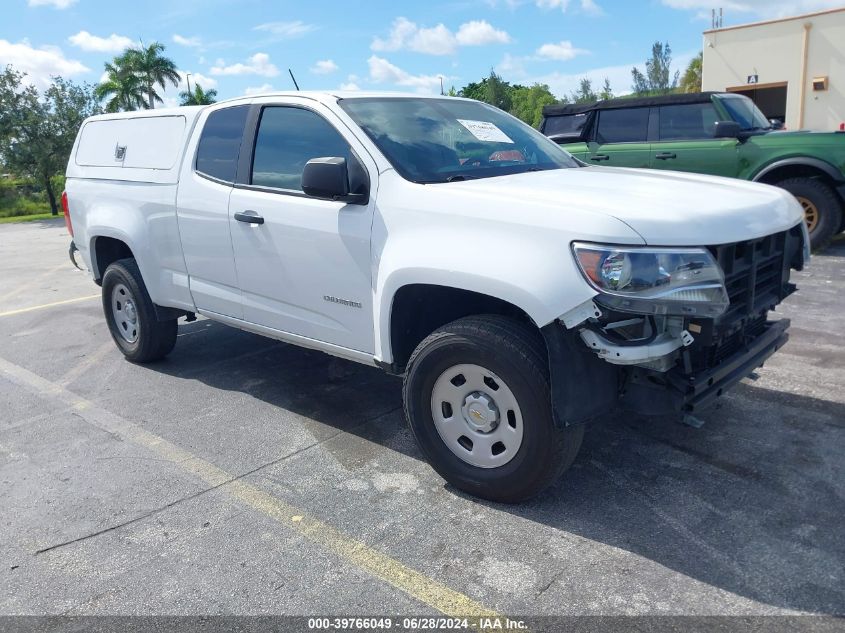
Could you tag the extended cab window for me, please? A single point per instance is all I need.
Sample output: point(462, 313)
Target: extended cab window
point(288, 138)
point(688, 121)
point(623, 125)
point(220, 143)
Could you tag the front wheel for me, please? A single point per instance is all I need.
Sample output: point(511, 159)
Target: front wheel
point(131, 316)
point(477, 399)
point(822, 208)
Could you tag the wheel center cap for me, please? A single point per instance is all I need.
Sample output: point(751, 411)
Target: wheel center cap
point(129, 309)
point(480, 412)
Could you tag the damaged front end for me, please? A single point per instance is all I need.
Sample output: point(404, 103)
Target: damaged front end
point(676, 327)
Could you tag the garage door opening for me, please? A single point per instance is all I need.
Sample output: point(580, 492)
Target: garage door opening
point(770, 98)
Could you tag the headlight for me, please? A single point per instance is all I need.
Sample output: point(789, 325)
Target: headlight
point(683, 281)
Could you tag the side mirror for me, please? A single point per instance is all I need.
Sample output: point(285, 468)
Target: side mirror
point(329, 178)
point(326, 178)
point(776, 124)
point(726, 129)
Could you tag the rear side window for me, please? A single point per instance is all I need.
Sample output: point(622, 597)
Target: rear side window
point(690, 121)
point(568, 124)
point(220, 143)
point(623, 126)
point(287, 139)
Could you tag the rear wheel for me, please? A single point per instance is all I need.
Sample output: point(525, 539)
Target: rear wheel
point(477, 399)
point(131, 316)
point(822, 208)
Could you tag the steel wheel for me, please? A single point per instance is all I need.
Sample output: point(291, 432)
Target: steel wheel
point(477, 416)
point(125, 313)
point(811, 213)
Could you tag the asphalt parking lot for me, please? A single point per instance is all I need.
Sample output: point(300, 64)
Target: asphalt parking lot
point(245, 476)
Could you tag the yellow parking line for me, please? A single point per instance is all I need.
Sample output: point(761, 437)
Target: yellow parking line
point(378, 564)
point(86, 363)
point(28, 285)
point(48, 305)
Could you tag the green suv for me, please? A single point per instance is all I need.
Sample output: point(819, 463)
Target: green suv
point(714, 133)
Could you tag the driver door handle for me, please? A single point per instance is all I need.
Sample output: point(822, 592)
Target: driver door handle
point(598, 157)
point(250, 217)
point(665, 155)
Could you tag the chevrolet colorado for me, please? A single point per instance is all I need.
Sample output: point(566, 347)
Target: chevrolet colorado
point(519, 292)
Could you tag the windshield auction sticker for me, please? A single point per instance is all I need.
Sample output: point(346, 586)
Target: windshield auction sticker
point(485, 131)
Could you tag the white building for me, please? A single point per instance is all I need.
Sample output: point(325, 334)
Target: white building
point(793, 68)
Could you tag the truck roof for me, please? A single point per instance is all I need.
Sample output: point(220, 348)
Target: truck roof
point(627, 102)
point(335, 95)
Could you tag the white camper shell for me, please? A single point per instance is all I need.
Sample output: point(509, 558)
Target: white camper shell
point(132, 147)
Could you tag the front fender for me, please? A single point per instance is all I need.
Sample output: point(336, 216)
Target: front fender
point(537, 274)
point(802, 161)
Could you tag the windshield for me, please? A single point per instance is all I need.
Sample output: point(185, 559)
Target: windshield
point(443, 140)
point(744, 112)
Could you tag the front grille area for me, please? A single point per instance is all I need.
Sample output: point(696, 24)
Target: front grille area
point(757, 279)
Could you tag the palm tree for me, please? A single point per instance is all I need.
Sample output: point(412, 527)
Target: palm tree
point(198, 96)
point(691, 81)
point(122, 86)
point(153, 69)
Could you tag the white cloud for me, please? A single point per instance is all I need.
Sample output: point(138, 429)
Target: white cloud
point(438, 40)
point(562, 51)
point(401, 33)
point(382, 71)
point(512, 67)
point(258, 64)
point(590, 7)
point(562, 84)
point(324, 67)
point(350, 85)
point(286, 30)
point(758, 8)
point(170, 96)
point(114, 43)
point(586, 6)
point(480, 32)
point(257, 90)
point(190, 42)
point(58, 4)
point(196, 78)
point(40, 64)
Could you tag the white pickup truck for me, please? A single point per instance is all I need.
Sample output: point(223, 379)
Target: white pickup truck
point(519, 292)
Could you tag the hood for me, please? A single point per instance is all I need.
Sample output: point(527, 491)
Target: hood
point(665, 208)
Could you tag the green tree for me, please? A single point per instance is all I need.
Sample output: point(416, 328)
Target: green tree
point(153, 69)
point(606, 90)
point(492, 89)
point(37, 131)
point(132, 77)
point(585, 93)
point(198, 96)
point(691, 80)
point(497, 92)
point(474, 90)
point(122, 87)
point(658, 78)
point(527, 102)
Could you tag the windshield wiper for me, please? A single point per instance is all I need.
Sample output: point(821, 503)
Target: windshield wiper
point(458, 177)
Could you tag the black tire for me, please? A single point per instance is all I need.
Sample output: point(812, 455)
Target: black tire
point(826, 202)
point(154, 339)
point(517, 355)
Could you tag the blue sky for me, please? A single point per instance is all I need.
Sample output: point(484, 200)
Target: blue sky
point(244, 46)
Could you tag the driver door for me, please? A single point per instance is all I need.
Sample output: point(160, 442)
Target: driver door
point(621, 138)
point(305, 269)
point(685, 141)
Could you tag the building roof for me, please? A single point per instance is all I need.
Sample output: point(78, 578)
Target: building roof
point(627, 102)
point(802, 16)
